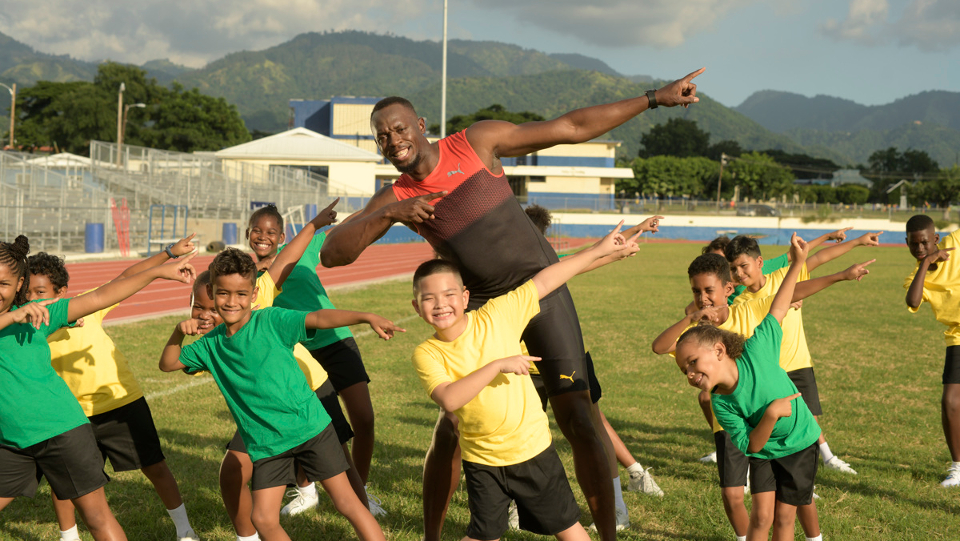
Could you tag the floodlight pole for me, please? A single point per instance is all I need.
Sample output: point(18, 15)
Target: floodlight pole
point(120, 122)
point(443, 83)
point(723, 161)
point(13, 109)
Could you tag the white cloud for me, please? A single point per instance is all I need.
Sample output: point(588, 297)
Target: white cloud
point(620, 23)
point(930, 25)
point(190, 32)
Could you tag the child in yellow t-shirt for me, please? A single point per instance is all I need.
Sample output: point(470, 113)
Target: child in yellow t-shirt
point(100, 378)
point(935, 280)
point(473, 367)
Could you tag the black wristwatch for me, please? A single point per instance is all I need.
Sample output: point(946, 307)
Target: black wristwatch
point(169, 253)
point(652, 98)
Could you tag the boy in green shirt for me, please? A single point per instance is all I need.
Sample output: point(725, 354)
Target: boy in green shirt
point(279, 418)
point(755, 400)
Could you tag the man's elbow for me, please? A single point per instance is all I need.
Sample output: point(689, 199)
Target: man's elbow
point(331, 258)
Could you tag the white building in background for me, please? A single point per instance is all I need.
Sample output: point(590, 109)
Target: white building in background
point(350, 170)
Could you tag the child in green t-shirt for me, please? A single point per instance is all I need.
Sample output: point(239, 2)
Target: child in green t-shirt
point(279, 418)
point(757, 403)
point(53, 435)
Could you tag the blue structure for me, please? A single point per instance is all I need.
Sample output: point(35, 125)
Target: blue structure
point(317, 115)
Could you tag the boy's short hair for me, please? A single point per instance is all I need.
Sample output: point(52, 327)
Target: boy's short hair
point(392, 100)
point(706, 334)
point(718, 244)
point(920, 222)
point(540, 217)
point(267, 210)
point(742, 245)
point(233, 261)
point(201, 281)
point(431, 267)
point(50, 266)
point(710, 264)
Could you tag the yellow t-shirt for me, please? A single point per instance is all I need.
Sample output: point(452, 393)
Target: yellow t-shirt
point(940, 289)
point(504, 424)
point(267, 291)
point(94, 369)
point(794, 353)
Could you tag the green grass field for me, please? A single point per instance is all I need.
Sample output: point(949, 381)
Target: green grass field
point(878, 369)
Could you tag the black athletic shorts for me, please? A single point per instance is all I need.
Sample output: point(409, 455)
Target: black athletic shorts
point(596, 393)
point(128, 437)
point(732, 464)
point(328, 397)
point(342, 362)
point(70, 461)
point(951, 365)
point(806, 383)
point(321, 458)
point(539, 486)
point(792, 476)
point(554, 336)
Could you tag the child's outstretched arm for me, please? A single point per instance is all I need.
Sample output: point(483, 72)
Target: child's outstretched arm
point(287, 259)
point(34, 313)
point(833, 252)
point(651, 225)
point(180, 248)
point(784, 296)
point(170, 356)
point(759, 436)
point(915, 292)
point(331, 319)
point(666, 342)
point(839, 235)
point(809, 287)
point(118, 290)
point(453, 395)
point(557, 274)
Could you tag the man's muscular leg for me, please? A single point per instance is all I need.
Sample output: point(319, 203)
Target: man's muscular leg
point(573, 415)
point(950, 416)
point(441, 475)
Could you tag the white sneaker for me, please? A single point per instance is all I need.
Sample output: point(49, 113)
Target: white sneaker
point(300, 503)
point(513, 516)
point(374, 504)
point(953, 477)
point(836, 464)
point(712, 457)
point(642, 481)
point(190, 536)
point(623, 521)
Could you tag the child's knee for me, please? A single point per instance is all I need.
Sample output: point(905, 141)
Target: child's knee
point(951, 399)
point(263, 520)
point(761, 516)
point(732, 497)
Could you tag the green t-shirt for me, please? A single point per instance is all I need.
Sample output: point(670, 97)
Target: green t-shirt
point(35, 403)
point(761, 382)
point(267, 393)
point(769, 266)
point(303, 291)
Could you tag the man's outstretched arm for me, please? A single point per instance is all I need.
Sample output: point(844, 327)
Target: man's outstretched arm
point(580, 125)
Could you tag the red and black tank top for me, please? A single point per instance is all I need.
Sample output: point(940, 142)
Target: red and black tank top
point(479, 224)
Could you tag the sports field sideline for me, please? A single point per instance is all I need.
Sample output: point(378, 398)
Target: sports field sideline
point(878, 369)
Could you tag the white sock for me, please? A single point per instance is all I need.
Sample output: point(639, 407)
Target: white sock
point(955, 465)
point(817, 538)
point(825, 451)
point(254, 537)
point(741, 538)
point(71, 534)
point(635, 468)
point(618, 495)
point(180, 520)
point(308, 491)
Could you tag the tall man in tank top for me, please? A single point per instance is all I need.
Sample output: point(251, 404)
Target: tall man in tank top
point(454, 193)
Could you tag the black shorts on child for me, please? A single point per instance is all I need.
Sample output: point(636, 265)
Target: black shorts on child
point(128, 437)
point(328, 397)
point(539, 486)
point(70, 461)
point(733, 465)
point(951, 365)
point(792, 475)
point(596, 392)
point(342, 362)
point(806, 384)
point(321, 458)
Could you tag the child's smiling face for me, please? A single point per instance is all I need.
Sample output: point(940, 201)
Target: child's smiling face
point(233, 296)
point(10, 283)
point(41, 288)
point(700, 364)
point(708, 290)
point(441, 300)
point(747, 270)
point(265, 236)
point(204, 310)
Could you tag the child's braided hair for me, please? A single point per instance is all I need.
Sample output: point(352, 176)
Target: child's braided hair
point(14, 255)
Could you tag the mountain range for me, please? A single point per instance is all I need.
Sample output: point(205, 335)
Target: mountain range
point(480, 73)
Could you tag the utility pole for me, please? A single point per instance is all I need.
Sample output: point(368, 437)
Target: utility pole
point(443, 83)
point(120, 122)
point(723, 161)
point(13, 109)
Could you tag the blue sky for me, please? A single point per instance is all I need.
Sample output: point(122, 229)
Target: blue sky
point(868, 51)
